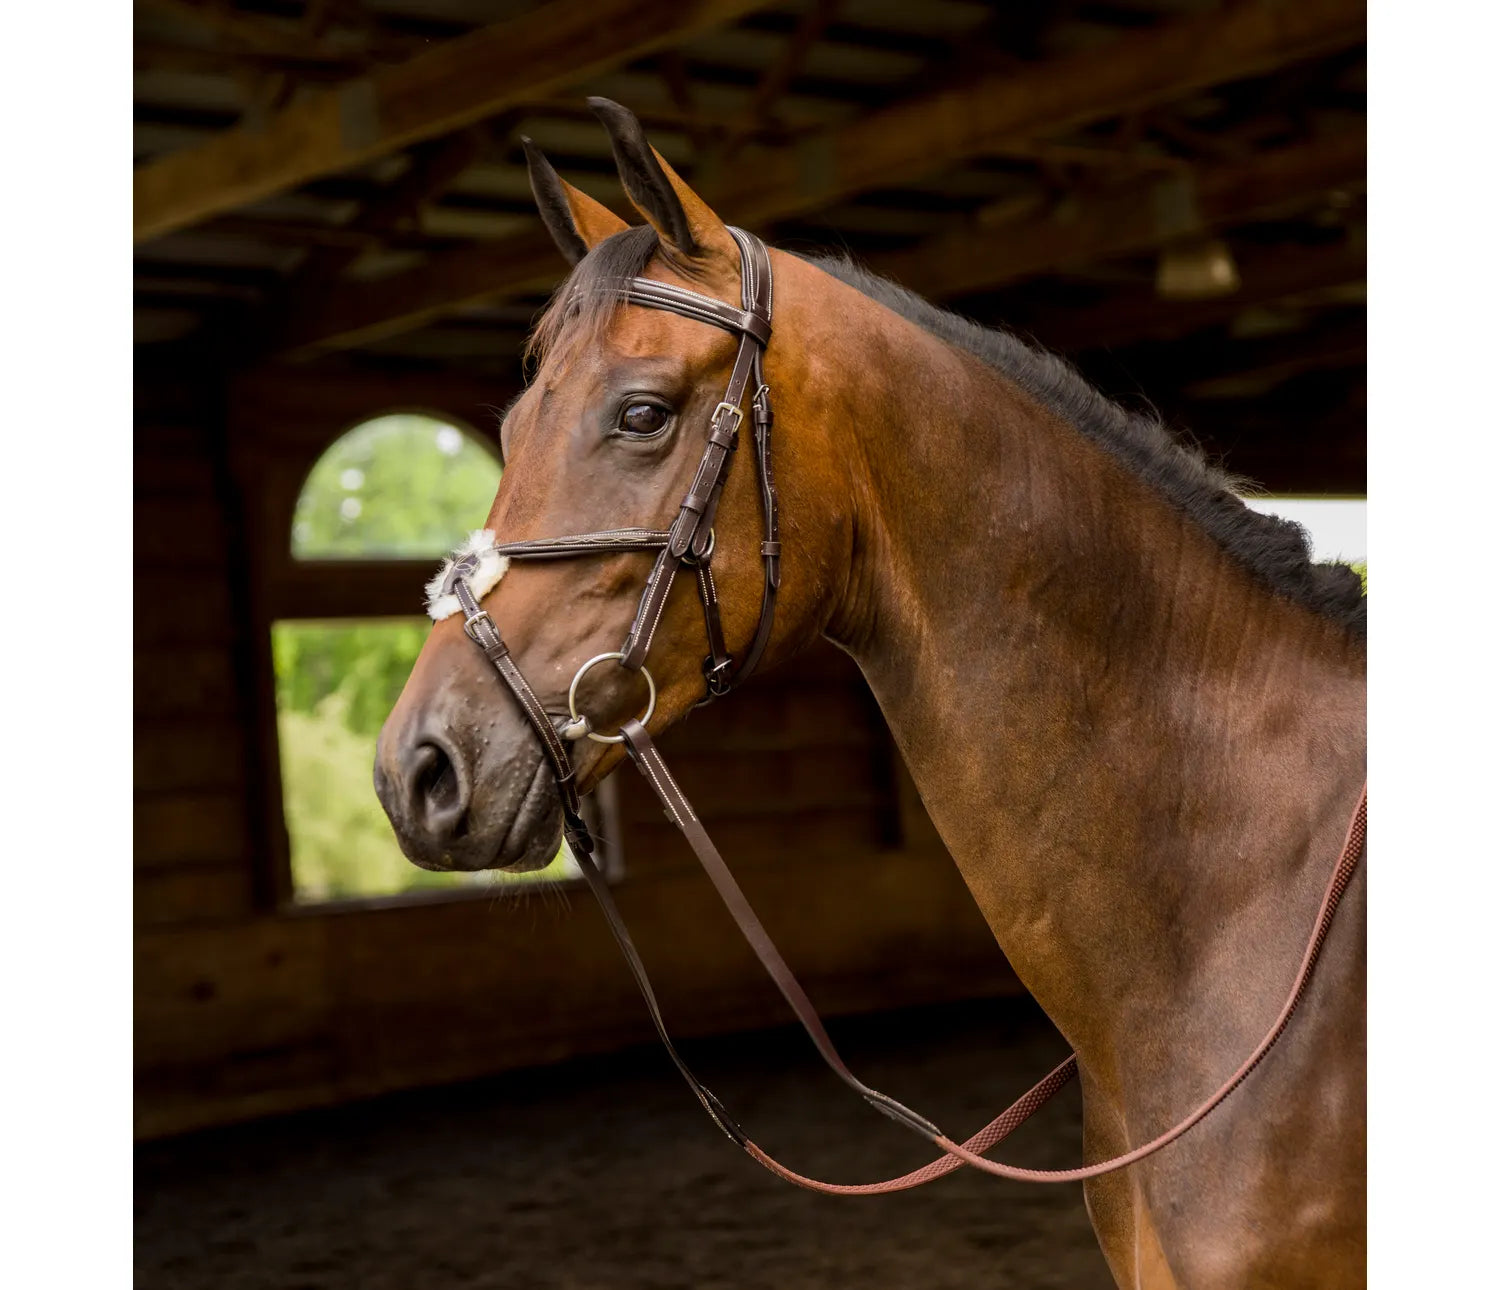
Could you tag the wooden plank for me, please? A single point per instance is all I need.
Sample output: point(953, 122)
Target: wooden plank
point(287, 409)
point(177, 682)
point(190, 828)
point(1208, 369)
point(194, 1094)
point(458, 83)
point(206, 994)
point(892, 146)
point(771, 784)
point(177, 609)
point(188, 756)
point(358, 313)
point(186, 533)
point(190, 895)
point(320, 1007)
point(348, 588)
point(654, 846)
point(173, 474)
point(187, 438)
point(779, 718)
point(917, 138)
point(1267, 276)
point(1138, 218)
point(434, 165)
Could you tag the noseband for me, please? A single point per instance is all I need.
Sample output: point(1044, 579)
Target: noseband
point(689, 543)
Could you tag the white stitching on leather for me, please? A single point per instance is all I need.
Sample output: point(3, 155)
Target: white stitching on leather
point(646, 760)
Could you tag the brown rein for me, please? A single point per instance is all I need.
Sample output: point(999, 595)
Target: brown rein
point(689, 544)
point(644, 753)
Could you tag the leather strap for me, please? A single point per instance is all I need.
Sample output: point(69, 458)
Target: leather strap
point(691, 536)
point(690, 540)
point(611, 912)
point(584, 544)
point(648, 759)
point(718, 665)
point(481, 629)
point(678, 300)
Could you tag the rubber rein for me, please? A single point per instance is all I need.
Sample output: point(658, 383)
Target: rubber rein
point(689, 545)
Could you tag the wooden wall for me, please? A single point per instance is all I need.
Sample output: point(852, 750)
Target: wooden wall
point(245, 1006)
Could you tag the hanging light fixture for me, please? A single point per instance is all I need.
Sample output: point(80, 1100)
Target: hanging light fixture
point(1197, 268)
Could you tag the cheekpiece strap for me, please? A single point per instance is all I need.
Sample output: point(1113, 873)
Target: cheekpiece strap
point(690, 539)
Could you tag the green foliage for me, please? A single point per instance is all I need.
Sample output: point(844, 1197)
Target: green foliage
point(363, 662)
point(335, 684)
point(1360, 568)
point(342, 844)
point(397, 487)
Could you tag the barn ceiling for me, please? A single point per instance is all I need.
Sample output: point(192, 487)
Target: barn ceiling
point(340, 183)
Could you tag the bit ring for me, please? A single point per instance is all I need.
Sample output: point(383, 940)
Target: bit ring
point(645, 717)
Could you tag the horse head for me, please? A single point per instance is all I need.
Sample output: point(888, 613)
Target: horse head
point(610, 433)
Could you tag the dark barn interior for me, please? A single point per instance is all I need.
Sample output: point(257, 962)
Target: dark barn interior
point(333, 222)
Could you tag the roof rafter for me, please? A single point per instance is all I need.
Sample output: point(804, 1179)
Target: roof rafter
point(1268, 277)
point(895, 145)
point(458, 83)
point(1140, 217)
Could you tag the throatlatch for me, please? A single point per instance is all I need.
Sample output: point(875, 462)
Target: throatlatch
point(477, 567)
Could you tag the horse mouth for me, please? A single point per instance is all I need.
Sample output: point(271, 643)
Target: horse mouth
point(531, 839)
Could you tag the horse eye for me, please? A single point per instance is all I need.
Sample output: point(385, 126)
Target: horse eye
point(643, 419)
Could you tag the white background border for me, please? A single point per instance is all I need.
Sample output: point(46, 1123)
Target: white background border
point(1435, 917)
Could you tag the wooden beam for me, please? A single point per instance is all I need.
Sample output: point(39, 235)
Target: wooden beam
point(779, 76)
point(1255, 366)
point(895, 145)
point(458, 83)
point(261, 35)
point(1267, 277)
point(1213, 366)
point(434, 166)
point(1137, 218)
point(919, 137)
point(358, 313)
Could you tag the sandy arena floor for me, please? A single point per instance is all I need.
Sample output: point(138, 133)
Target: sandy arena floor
point(606, 1173)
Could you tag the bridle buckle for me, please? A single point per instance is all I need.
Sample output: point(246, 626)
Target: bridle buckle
point(733, 409)
point(716, 676)
point(481, 616)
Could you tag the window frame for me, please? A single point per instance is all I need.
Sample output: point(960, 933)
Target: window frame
point(271, 470)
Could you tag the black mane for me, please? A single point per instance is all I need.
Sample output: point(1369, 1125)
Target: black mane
point(1275, 550)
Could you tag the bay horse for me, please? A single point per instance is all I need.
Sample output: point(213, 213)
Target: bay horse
point(1133, 707)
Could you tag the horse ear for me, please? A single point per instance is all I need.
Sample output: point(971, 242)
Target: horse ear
point(683, 220)
point(576, 221)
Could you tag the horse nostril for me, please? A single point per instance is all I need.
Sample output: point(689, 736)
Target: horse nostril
point(437, 781)
point(438, 791)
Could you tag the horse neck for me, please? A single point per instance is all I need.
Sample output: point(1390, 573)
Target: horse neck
point(1141, 760)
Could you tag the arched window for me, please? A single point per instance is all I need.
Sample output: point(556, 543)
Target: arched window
point(396, 493)
point(399, 487)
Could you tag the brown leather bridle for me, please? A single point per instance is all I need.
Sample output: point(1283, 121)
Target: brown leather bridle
point(689, 543)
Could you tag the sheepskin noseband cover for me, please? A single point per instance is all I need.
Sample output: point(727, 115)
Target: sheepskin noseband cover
point(441, 602)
